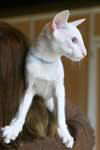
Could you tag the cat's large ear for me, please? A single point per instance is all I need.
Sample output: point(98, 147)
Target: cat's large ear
point(78, 22)
point(60, 19)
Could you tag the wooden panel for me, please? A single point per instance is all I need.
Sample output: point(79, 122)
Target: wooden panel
point(98, 103)
point(76, 83)
point(97, 25)
point(39, 25)
point(23, 27)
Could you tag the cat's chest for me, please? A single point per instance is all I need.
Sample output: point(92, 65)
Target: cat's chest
point(44, 88)
point(50, 72)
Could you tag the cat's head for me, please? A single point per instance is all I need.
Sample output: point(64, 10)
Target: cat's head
point(67, 38)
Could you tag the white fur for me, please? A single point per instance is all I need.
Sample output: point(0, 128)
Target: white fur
point(45, 74)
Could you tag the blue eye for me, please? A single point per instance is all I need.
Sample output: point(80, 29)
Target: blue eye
point(74, 39)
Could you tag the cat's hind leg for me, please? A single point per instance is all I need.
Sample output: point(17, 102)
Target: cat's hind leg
point(50, 104)
point(52, 117)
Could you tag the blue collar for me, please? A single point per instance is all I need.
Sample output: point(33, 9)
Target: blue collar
point(44, 61)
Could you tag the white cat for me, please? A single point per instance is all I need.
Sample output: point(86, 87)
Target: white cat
point(45, 74)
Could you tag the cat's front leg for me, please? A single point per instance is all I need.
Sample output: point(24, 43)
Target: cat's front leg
point(11, 132)
point(60, 113)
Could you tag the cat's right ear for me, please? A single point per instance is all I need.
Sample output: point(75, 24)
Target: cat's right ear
point(60, 19)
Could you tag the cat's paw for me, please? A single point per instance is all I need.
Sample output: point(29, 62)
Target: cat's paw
point(11, 132)
point(67, 139)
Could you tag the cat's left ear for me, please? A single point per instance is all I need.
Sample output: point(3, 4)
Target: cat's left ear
point(78, 22)
point(60, 19)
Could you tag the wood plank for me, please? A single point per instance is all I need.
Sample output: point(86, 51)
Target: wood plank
point(97, 25)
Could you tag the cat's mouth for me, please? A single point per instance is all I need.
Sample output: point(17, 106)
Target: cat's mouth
point(76, 59)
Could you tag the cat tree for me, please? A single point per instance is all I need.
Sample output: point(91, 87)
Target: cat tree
point(39, 132)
